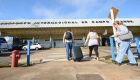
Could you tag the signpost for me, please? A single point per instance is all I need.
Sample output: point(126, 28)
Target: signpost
point(112, 15)
point(28, 53)
point(138, 47)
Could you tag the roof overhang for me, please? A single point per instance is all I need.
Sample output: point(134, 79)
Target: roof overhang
point(56, 28)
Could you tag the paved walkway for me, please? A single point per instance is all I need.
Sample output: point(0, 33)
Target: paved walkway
point(56, 67)
point(55, 54)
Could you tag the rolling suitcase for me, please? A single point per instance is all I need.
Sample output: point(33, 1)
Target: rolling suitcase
point(77, 54)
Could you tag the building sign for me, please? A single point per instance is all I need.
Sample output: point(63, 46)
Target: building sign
point(48, 22)
point(61, 23)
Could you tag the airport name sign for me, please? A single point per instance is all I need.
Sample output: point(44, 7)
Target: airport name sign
point(62, 23)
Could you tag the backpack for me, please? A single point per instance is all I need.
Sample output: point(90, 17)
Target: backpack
point(68, 36)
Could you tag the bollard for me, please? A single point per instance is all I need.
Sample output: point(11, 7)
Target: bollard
point(138, 47)
point(15, 56)
point(28, 54)
point(112, 48)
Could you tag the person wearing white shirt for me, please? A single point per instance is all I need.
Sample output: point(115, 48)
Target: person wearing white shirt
point(92, 39)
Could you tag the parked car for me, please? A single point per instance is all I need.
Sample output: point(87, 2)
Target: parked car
point(14, 43)
point(3, 45)
point(134, 44)
point(35, 46)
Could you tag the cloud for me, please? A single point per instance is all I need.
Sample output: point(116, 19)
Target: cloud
point(80, 9)
point(80, 4)
point(42, 11)
point(76, 8)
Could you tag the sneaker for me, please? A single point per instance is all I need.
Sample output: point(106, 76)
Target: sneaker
point(131, 64)
point(68, 59)
point(117, 63)
point(113, 61)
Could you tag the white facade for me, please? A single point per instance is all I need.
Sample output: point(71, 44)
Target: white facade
point(65, 23)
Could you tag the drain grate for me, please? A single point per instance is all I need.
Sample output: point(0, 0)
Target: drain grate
point(89, 77)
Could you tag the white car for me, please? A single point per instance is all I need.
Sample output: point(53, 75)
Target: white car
point(134, 44)
point(35, 46)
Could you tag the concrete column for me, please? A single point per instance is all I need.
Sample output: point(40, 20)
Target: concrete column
point(33, 40)
point(101, 40)
point(38, 40)
point(84, 39)
point(51, 42)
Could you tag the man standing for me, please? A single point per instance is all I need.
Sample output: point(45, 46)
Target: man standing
point(68, 39)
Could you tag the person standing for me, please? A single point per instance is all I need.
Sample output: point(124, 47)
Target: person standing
point(92, 39)
point(124, 45)
point(68, 39)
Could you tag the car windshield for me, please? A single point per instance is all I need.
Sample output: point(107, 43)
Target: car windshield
point(2, 40)
point(35, 44)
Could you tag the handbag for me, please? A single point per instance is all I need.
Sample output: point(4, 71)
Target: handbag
point(98, 39)
point(127, 36)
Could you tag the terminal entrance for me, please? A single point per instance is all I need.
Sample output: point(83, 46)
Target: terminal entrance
point(105, 41)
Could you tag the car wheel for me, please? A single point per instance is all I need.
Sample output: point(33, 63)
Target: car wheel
point(36, 48)
point(25, 49)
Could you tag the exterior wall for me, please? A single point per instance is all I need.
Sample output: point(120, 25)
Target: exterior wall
point(57, 27)
point(58, 43)
point(65, 23)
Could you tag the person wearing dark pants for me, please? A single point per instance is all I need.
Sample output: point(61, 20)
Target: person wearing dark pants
point(93, 42)
point(95, 47)
point(68, 39)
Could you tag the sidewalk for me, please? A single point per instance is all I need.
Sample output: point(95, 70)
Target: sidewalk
point(56, 67)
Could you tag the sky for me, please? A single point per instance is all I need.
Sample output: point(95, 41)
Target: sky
point(67, 9)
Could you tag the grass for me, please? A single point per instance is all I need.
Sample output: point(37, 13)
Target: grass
point(4, 64)
point(9, 64)
point(109, 61)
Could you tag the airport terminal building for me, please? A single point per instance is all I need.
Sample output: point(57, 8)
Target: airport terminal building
point(51, 30)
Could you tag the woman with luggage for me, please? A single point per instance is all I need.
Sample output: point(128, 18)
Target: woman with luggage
point(92, 39)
